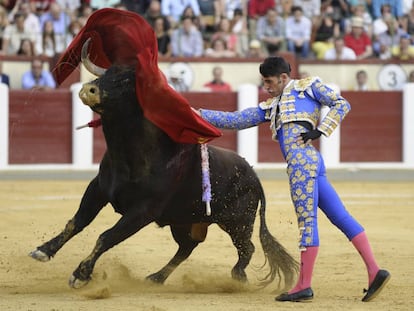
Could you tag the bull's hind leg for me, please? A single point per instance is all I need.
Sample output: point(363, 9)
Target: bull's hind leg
point(240, 232)
point(92, 202)
point(186, 244)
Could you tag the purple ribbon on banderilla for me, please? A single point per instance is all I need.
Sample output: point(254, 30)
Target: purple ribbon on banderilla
point(205, 175)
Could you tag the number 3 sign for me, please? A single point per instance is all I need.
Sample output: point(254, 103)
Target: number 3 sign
point(391, 77)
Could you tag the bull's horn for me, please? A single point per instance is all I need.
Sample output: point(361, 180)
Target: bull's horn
point(91, 67)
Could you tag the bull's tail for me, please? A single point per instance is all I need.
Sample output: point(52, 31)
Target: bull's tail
point(280, 262)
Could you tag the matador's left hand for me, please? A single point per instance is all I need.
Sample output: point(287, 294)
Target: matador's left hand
point(312, 135)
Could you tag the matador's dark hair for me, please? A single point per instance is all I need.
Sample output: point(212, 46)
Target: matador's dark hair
point(274, 66)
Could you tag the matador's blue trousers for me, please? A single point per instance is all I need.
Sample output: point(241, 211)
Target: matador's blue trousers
point(310, 188)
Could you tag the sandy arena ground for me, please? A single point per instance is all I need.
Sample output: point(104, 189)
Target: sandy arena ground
point(31, 212)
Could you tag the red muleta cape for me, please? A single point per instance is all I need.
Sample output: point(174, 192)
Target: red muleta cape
point(125, 38)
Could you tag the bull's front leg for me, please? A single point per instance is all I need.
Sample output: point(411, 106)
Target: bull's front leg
point(92, 202)
point(128, 224)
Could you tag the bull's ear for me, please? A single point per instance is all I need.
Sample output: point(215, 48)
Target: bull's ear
point(89, 65)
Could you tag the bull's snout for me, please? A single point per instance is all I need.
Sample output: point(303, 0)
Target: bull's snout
point(89, 94)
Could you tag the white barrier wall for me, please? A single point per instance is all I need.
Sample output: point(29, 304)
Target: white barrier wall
point(82, 140)
point(408, 124)
point(247, 139)
point(330, 147)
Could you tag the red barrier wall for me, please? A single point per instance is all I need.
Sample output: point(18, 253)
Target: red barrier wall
point(40, 127)
point(372, 132)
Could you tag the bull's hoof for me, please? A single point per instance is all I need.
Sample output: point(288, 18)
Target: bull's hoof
point(156, 278)
point(77, 283)
point(39, 255)
point(239, 275)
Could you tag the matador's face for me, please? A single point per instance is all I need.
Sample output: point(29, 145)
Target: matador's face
point(274, 85)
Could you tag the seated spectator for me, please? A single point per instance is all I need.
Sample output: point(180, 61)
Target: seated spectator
point(31, 20)
point(361, 79)
point(387, 40)
point(312, 9)
point(48, 43)
point(228, 7)
point(209, 16)
point(340, 11)
point(360, 10)
point(26, 48)
point(396, 8)
point(405, 49)
point(60, 21)
point(379, 24)
point(14, 34)
point(217, 84)
point(257, 9)
point(358, 40)
point(37, 78)
point(326, 30)
point(340, 51)
point(224, 32)
point(153, 12)
point(4, 78)
point(298, 32)
point(163, 38)
point(219, 49)
point(408, 22)
point(174, 9)
point(83, 13)
point(73, 29)
point(270, 32)
point(186, 40)
point(255, 50)
point(238, 26)
point(176, 81)
point(189, 12)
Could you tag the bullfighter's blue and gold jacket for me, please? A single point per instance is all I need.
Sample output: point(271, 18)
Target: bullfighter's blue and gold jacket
point(301, 100)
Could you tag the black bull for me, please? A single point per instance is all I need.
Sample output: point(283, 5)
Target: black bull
point(148, 178)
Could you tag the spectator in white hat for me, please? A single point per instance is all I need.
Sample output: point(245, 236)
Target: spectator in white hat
point(358, 40)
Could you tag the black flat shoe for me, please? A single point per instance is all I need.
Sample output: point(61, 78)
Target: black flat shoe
point(377, 285)
point(303, 295)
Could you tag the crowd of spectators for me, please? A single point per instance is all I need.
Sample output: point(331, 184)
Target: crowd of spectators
point(225, 28)
point(311, 29)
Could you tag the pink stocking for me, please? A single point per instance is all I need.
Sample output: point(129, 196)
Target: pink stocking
point(307, 261)
point(361, 243)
